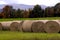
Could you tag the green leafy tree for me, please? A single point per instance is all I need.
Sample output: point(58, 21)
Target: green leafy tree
point(18, 13)
point(36, 12)
point(57, 9)
point(12, 14)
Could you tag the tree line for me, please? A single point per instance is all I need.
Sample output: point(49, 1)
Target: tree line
point(36, 12)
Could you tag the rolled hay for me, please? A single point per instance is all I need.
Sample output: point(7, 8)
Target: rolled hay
point(52, 26)
point(37, 26)
point(6, 25)
point(26, 26)
point(14, 26)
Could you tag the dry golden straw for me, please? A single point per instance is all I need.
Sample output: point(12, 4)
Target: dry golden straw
point(6, 25)
point(26, 26)
point(37, 26)
point(14, 26)
point(52, 26)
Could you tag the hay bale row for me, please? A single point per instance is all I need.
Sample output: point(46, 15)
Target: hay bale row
point(11, 25)
point(48, 26)
point(32, 26)
point(41, 26)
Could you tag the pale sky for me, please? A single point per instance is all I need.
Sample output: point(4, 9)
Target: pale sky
point(31, 2)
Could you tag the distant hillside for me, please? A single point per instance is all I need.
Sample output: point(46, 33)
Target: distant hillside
point(22, 6)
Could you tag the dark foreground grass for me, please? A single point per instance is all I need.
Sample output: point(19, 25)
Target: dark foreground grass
point(8, 35)
point(46, 18)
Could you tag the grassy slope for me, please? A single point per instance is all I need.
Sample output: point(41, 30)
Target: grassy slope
point(48, 18)
point(6, 35)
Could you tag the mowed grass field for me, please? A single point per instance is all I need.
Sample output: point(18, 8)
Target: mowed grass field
point(46, 18)
point(9, 35)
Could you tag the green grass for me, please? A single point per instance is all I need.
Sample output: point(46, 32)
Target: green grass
point(47, 18)
point(8, 35)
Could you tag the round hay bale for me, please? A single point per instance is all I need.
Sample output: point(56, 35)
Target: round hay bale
point(26, 26)
point(14, 26)
point(0, 26)
point(37, 26)
point(52, 26)
point(6, 26)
